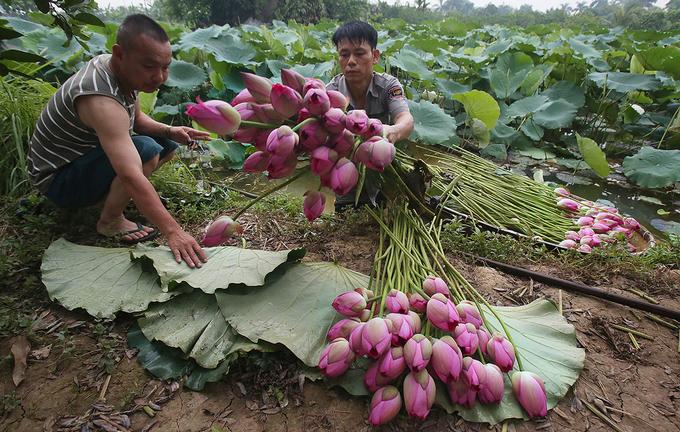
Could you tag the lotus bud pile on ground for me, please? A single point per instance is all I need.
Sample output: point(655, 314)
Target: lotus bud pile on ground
point(414, 330)
point(299, 120)
point(596, 226)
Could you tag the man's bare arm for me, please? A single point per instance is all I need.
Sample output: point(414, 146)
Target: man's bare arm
point(145, 125)
point(401, 129)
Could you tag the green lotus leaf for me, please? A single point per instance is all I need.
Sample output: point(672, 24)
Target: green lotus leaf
point(481, 133)
point(509, 73)
point(653, 168)
point(665, 59)
point(624, 82)
point(230, 153)
point(480, 105)
point(411, 63)
point(223, 43)
point(555, 114)
point(185, 75)
point(526, 106)
point(532, 130)
point(593, 155)
point(432, 124)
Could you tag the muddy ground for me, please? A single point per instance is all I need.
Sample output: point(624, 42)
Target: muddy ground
point(80, 369)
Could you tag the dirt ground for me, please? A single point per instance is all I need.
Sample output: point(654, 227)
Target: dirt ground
point(80, 369)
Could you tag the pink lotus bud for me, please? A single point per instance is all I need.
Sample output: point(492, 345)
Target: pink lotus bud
point(244, 96)
point(303, 115)
point(375, 128)
point(312, 135)
point(293, 79)
point(419, 394)
point(474, 373)
point(587, 240)
point(215, 115)
point(261, 139)
point(417, 352)
point(338, 100)
point(611, 216)
point(466, 338)
point(373, 379)
point(572, 235)
point(562, 191)
point(365, 315)
point(267, 114)
point(501, 352)
point(282, 141)
point(344, 176)
point(334, 120)
point(442, 313)
point(392, 363)
point(246, 111)
point(312, 83)
point(343, 143)
point(323, 160)
point(493, 388)
point(349, 304)
point(625, 231)
point(585, 221)
point(484, 338)
point(357, 121)
point(584, 249)
point(433, 285)
point(365, 292)
point(314, 204)
point(402, 328)
point(417, 302)
point(631, 224)
point(595, 241)
point(285, 100)
point(355, 338)
point(567, 204)
point(385, 405)
point(259, 87)
point(530, 393)
point(610, 222)
point(586, 232)
point(600, 228)
point(342, 328)
point(316, 101)
point(220, 230)
point(469, 313)
point(568, 244)
point(376, 338)
point(414, 319)
point(447, 360)
point(336, 358)
point(256, 162)
point(397, 302)
point(461, 393)
point(376, 153)
point(631, 247)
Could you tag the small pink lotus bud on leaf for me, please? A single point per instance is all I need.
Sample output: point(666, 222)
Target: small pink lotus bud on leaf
point(397, 302)
point(447, 360)
point(373, 379)
point(355, 339)
point(501, 352)
point(349, 304)
point(461, 393)
point(220, 230)
point(314, 204)
point(432, 285)
point(484, 337)
point(342, 328)
point(469, 313)
point(417, 352)
point(466, 338)
point(493, 388)
point(529, 391)
point(376, 338)
point(442, 313)
point(336, 358)
point(385, 405)
point(419, 394)
point(392, 363)
point(474, 373)
point(402, 328)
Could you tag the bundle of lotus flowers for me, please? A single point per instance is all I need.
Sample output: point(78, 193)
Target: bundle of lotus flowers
point(419, 330)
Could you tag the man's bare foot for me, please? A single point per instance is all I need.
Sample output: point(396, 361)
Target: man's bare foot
point(127, 230)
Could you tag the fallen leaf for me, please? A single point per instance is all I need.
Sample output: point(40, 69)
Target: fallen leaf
point(41, 353)
point(20, 349)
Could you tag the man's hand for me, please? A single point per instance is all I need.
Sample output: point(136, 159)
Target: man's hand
point(184, 247)
point(185, 135)
point(391, 134)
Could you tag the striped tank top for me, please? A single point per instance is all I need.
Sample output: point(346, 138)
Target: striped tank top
point(60, 137)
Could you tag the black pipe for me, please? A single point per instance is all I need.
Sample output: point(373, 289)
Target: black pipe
point(580, 288)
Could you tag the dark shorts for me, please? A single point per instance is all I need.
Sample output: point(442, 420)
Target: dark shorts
point(86, 180)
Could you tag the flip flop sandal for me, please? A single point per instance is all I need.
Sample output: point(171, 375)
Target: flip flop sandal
point(140, 228)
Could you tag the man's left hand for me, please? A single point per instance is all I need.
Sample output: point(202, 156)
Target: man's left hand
point(391, 133)
point(186, 135)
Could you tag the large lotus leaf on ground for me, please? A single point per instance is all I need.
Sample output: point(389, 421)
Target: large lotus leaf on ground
point(103, 281)
point(225, 266)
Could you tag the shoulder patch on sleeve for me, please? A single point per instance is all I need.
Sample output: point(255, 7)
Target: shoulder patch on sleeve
point(396, 91)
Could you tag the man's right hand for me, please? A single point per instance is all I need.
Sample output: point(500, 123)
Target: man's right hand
point(185, 248)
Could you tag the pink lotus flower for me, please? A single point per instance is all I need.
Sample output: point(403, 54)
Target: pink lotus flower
point(220, 230)
point(376, 153)
point(281, 166)
point(530, 393)
point(466, 338)
point(568, 244)
point(293, 79)
point(267, 114)
point(338, 100)
point(562, 191)
point(259, 87)
point(442, 313)
point(568, 204)
point(572, 235)
point(600, 228)
point(447, 360)
point(312, 83)
point(246, 111)
point(376, 338)
point(414, 319)
point(312, 136)
point(256, 162)
point(493, 388)
point(215, 115)
point(474, 373)
point(402, 328)
point(342, 328)
point(484, 338)
point(501, 352)
point(392, 363)
point(417, 352)
point(461, 393)
point(585, 221)
point(419, 394)
point(586, 232)
point(314, 204)
point(631, 224)
point(261, 139)
point(584, 248)
point(285, 100)
point(244, 96)
point(432, 285)
point(417, 302)
point(625, 231)
point(373, 379)
point(357, 121)
point(349, 304)
point(375, 128)
point(385, 405)
point(469, 313)
point(397, 302)
point(336, 358)
point(343, 143)
point(355, 338)
point(303, 115)
point(316, 101)
point(282, 141)
point(334, 120)
point(323, 160)
point(343, 176)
